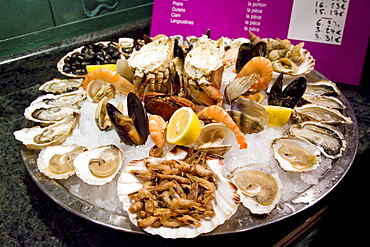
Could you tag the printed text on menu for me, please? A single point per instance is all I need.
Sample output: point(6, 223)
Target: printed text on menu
point(178, 10)
point(253, 16)
point(319, 21)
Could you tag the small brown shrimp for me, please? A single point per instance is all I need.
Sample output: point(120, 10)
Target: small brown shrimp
point(260, 66)
point(182, 206)
point(219, 114)
point(119, 82)
point(207, 185)
point(157, 129)
point(144, 223)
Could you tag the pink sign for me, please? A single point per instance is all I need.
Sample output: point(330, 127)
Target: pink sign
point(336, 32)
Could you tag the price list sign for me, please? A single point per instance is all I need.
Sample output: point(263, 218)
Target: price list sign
point(336, 32)
point(318, 21)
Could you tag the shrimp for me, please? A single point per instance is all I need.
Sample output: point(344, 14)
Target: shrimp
point(262, 68)
point(219, 114)
point(157, 128)
point(119, 82)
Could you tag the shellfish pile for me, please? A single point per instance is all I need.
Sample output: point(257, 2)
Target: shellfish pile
point(95, 131)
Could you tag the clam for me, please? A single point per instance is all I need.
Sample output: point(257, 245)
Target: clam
point(55, 134)
point(326, 137)
point(260, 187)
point(100, 165)
point(225, 202)
point(296, 154)
point(322, 87)
point(98, 89)
point(48, 114)
point(239, 86)
point(57, 85)
point(246, 123)
point(251, 108)
point(313, 112)
point(57, 161)
point(71, 98)
point(211, 139)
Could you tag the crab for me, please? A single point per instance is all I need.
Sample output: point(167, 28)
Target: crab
point(203, 68)
point(164, 104)
point(152, 66)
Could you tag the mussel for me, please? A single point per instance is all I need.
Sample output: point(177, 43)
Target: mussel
point(291, 94)
point(132, 130)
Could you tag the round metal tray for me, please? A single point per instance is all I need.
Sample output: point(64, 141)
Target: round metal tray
point(238, 222)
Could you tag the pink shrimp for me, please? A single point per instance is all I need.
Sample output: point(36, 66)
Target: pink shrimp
point(219, 114)
point(262, 68)
point(119, 82)
point(157, 128)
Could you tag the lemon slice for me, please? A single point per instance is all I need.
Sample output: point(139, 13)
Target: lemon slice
point(278, 115)
point(183, 127)
point(90, 68)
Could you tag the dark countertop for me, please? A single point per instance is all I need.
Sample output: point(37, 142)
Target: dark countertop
point(28, 217)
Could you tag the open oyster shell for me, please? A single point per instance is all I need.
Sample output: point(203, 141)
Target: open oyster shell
point(57, 161)
point(100, 165)
point(57, 85)
point(48, 114)
point(71, 98)
point(259, 185)
point(225, 204)
point(319, 113)
point(296, 154)
point(328, 138)
point(54, 134)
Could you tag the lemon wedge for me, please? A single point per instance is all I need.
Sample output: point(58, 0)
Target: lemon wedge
point(278, 115)
point(183, 127)
point(90, 68)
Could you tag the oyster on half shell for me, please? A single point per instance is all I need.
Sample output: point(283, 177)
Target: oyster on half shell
point(313, 112)
point(326, 137)
point(48, 114)
point(57, 161)
point(57, 85)
point(71, 98)
point(260, 187)
point(100, 165)
point(55, 134)
point(296, 154)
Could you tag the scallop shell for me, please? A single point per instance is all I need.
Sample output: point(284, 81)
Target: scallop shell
point(253, 205)
point(306, 66)
point(83, 160)
point(60, 64)
point(48, 153)
point(225, 204)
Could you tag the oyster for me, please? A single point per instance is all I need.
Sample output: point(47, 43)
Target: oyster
point(260, 187)
point(100, 165)
point(327, 101)
point(48, 114)
point(55, 134)
point(211, 139)
point(296, 154)
point(322, 87)
point(71, 98)
point(98, 89)
point(57, 86)
point(225, 202)
point(326, 137)
point(313, 112)
point(57, 161)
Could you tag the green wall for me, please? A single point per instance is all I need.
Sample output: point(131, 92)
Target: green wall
point(29, 24)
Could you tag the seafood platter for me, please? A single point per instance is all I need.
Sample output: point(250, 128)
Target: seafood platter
point(182, 136)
